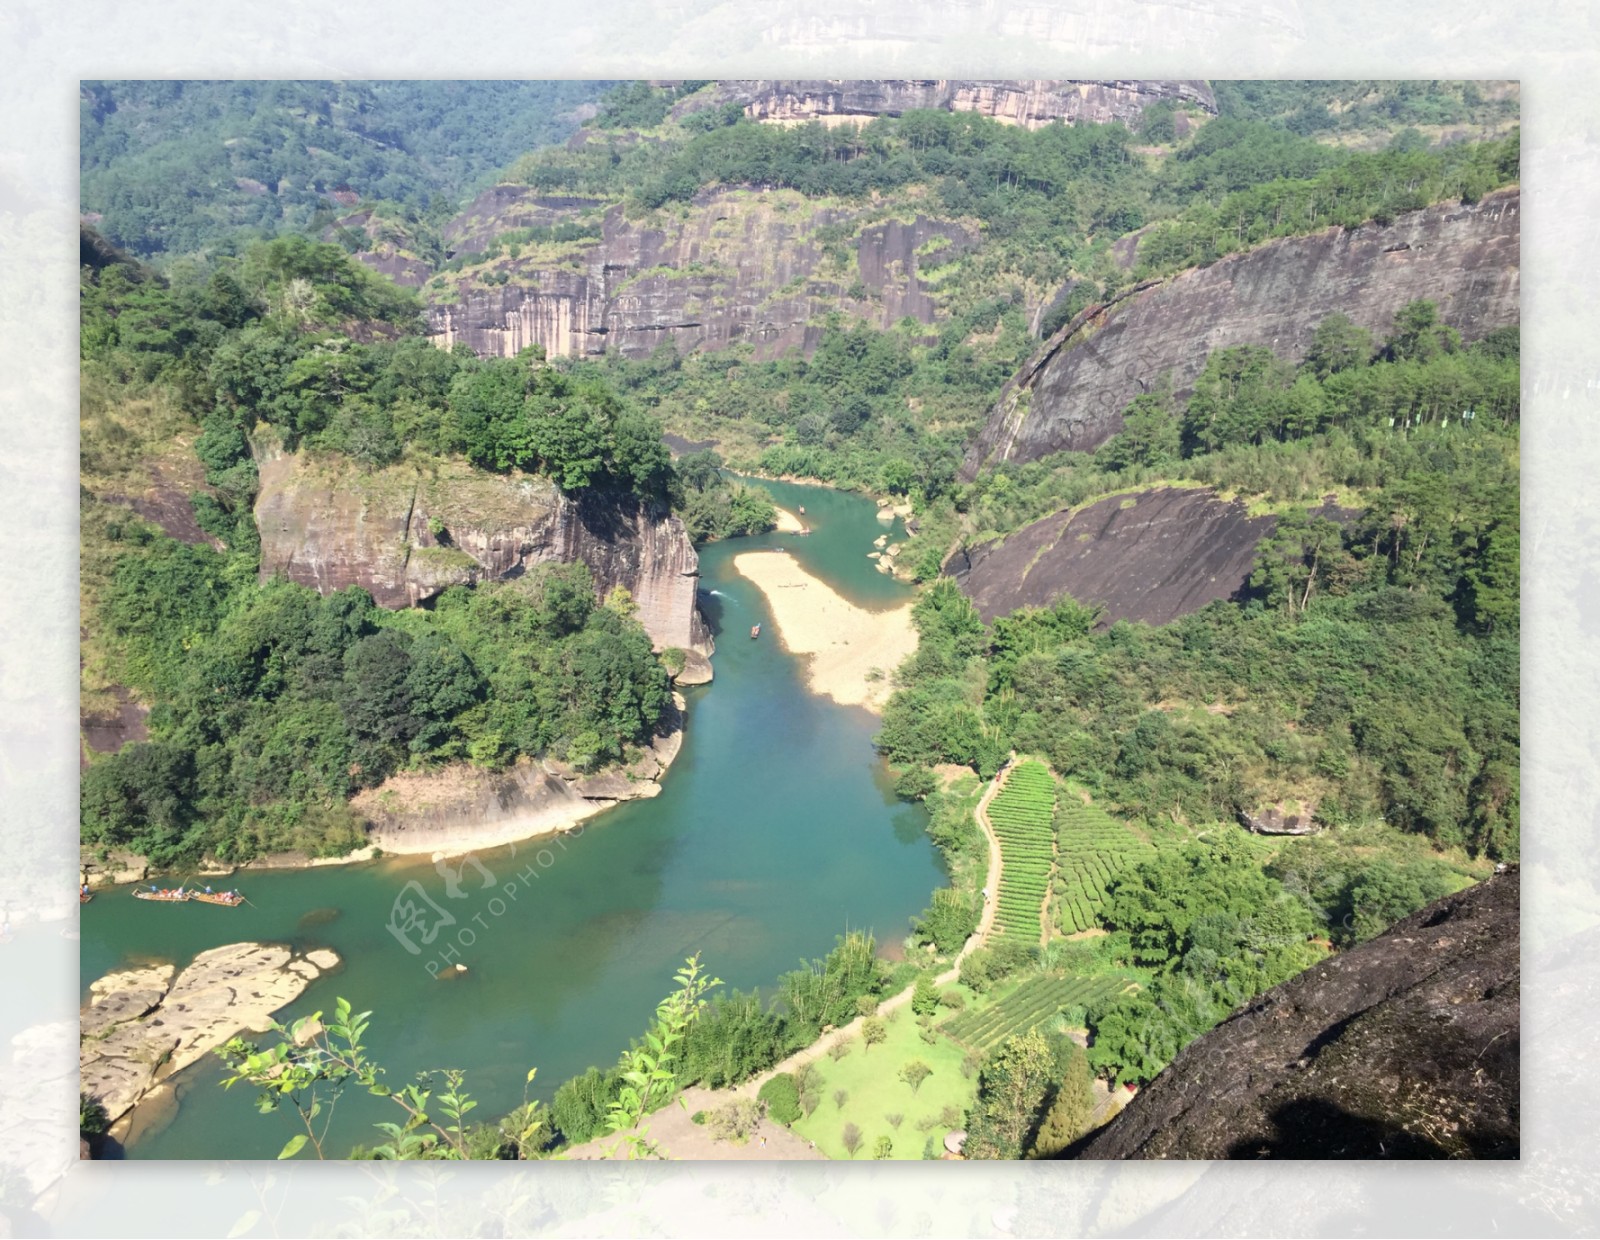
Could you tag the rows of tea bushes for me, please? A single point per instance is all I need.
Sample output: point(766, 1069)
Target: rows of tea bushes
point(1091, 848)
point(1037, 1002)
point(1021, 816)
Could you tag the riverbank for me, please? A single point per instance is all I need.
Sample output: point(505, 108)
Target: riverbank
point(852, 651)
point(457, 810)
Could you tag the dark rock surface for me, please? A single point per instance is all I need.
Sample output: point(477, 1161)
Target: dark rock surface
point(1152, 556)
point(741, 265)
point(1072, 392)
point(326, 525)
point(1405, 1047)
point(1030, 103)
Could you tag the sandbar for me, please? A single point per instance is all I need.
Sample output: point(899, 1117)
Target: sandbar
point(788, 523)
point(846, 644)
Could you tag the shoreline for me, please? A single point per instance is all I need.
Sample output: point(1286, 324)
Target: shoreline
point(845, 643)
point(553, 803)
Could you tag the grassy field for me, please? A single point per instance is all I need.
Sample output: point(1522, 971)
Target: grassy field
point(871, 1078)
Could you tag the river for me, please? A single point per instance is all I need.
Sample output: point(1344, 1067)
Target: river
point(776, 830)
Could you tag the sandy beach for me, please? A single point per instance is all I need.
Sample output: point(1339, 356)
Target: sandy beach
point(845, 642)
point(788, 523)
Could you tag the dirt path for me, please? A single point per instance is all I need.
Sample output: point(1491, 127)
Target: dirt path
point(991, 890)
point(809, 1054)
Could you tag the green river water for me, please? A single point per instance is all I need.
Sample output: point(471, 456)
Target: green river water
point(775, 831)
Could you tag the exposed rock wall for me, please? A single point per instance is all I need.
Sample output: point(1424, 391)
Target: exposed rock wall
point(327, 526)
point(1408, 1046)
point(741, 265)
point(1072, 392)
point(1029, 103)
point(1152, 556)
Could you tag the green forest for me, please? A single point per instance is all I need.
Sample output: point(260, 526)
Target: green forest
point(1367, 677)
point(173, 168)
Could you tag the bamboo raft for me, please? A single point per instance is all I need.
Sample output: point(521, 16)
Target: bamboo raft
point(225, 899)
point(180, 896)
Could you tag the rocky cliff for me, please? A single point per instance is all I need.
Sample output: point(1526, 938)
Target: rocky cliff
point(1072, 392)
point(1029, 103)
point(740, 265)
point(1152, 556)
point(404, 534)
point(1408, 1046)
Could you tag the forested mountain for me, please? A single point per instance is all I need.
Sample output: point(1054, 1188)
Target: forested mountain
point(171, 167)
point(1295, 302)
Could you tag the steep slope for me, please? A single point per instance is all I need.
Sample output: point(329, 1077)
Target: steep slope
point(1029, 103)
point(740, 265)
point(1152, 556)
point(1408, 1046)
point(404, 535)
point(1466, 258)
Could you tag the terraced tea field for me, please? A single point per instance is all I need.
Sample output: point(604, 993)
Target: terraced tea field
point(1021, 816)
point(1036, 1002)
point(1091, 847)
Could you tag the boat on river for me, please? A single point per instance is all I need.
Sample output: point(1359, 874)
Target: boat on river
point(168, 896)
point(755, 631)
point(228, 899)
point(84, 895)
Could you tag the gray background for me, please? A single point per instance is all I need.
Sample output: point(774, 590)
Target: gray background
point(47, 47)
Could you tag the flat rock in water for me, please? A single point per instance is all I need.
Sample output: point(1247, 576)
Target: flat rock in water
point(141, 1026)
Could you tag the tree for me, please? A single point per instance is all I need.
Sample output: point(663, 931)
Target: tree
point(840, 1097)
point(914, 1073)
point(1011, 1089)
point(1337, 344)
point(850, 1137)
point(1419, 334)
point(925, 996)
point(882, 1148)
point(782, 1098)
point(1071, 1111)
point(1150, 432)
point(873, 1031)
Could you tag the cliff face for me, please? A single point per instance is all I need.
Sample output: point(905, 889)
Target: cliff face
point(327, 526)
point(741, 265)
point(1072, 393)
point(1152, 556)
point(1408, 1046)
point(1029, 103)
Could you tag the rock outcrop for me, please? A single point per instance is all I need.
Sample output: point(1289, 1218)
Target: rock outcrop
point(1071, 394)
point(140, 1026)
point(405, 534)
point(1152, 556)
point(1408, 1046)
point(740, 265)
point(1029, 103)
point(462, 809)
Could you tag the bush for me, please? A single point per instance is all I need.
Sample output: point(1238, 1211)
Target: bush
point(782, 1098)
point(735, 1121)
point(925, 996)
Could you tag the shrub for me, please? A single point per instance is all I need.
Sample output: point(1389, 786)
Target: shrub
point(851, 1137)
point(735, 1121)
